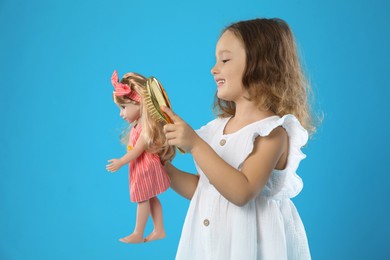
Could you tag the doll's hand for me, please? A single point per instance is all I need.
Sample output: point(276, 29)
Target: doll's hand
point(115, 164)
point(179, 133)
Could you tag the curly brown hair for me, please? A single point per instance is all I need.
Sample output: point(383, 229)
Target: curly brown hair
point(273, 75)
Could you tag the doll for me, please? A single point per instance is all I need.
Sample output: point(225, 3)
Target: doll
point(147, 151)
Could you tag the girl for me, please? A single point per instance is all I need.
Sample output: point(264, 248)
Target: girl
point(146, 151)
point(247, 158)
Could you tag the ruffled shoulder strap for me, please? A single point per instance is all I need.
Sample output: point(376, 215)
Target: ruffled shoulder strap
point(288, 122)
point(298, 137)
point(283, 183)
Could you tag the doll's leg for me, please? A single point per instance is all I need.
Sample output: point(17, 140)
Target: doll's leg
point(143, 212)
point(157, 217)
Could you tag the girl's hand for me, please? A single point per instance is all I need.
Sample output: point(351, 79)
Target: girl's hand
point(115, 164)
point(179, 133)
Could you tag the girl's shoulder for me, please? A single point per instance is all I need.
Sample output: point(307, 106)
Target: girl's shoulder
point(297, 134)
point(289, 122)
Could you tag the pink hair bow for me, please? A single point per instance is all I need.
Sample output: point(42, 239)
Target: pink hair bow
point(123, 89)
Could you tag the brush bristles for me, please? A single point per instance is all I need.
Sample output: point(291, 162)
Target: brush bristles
point(152, 109)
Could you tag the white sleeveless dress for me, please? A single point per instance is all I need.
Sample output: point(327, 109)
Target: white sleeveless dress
point(268, 227)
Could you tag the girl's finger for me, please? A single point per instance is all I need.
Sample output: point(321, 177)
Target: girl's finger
point(170, 136)
point(169, 128)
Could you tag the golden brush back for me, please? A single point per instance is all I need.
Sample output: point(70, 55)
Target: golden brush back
point(155, 98)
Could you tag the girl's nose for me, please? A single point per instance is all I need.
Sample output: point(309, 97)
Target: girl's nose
point(214, 70)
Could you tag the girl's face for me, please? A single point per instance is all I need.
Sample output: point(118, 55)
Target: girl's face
point(129, 111)
point(229, 68)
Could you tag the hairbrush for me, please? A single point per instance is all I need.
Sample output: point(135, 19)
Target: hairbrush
point(155, 98)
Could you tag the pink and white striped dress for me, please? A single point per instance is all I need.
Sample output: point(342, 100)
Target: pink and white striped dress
point(147, 176)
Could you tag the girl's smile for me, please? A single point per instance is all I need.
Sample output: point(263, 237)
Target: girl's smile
point(229, 67)
point(219, 82)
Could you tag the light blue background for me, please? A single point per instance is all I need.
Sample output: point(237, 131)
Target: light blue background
point(59, 124)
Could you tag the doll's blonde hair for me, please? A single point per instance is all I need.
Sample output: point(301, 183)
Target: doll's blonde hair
point(152, 130)
point(273, 75)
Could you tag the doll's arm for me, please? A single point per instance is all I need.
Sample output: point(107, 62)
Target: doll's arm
point(183, 183)
point(132, 154)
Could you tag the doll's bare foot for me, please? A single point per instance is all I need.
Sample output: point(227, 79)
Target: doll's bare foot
point(155, 235)
point(133, 239)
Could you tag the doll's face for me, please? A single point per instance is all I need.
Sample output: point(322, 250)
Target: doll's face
point(229, 67)
point(129, 111)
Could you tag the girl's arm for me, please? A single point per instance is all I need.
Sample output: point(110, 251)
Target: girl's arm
point(182, 182)
point(236, 186)
point(116, 164)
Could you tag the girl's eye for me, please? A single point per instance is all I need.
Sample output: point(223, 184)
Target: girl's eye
point(123, 107)
point(224, 61)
